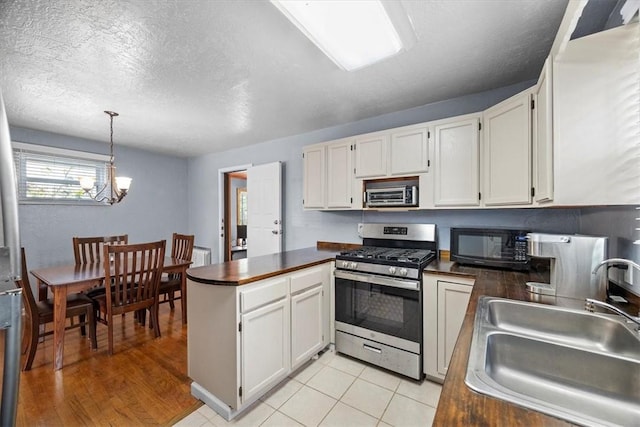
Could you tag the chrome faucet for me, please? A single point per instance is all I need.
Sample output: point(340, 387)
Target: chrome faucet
point(615, 261)
point(591, 303)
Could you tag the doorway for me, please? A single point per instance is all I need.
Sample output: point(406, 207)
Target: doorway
point(233, 213)
point(262, 213)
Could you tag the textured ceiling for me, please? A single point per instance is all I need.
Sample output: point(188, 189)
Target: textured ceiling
point(200, 76)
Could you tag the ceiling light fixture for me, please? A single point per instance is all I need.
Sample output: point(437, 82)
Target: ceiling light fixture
point(115, 188)
point(353, 34)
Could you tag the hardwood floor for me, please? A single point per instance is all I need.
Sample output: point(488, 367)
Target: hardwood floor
point(144, 383)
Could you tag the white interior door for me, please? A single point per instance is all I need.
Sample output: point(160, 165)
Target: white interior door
point(264, 209)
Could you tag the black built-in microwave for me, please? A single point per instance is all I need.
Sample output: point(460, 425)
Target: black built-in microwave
point(491, 247)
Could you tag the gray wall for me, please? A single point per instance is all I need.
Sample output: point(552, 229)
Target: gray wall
point(153, 210)
point(304, 228)
point(619, 224)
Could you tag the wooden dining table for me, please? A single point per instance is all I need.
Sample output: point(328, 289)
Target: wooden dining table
point(65, 279)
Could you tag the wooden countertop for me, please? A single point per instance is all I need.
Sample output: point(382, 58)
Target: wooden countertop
point(461, 406)
point(458, 405)
point(247, 270)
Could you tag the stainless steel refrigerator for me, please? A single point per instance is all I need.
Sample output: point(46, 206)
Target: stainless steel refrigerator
point(10, 297)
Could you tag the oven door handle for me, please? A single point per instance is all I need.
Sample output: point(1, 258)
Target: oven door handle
point(412, 285)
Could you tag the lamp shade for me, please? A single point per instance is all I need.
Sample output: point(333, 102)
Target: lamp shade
point(87, 183)
point(123, 183)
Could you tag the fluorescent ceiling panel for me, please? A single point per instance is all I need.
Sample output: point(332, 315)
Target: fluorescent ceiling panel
point(353, 34)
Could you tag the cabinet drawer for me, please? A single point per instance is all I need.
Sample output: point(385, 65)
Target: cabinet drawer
point(307, 279)
point(262, 294)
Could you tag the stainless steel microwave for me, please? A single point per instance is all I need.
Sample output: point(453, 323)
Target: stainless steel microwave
point(492, 247)
point(406, 195)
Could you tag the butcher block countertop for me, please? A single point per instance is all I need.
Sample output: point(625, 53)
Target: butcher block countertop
point(248, 270)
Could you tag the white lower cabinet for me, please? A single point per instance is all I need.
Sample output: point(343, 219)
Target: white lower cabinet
point(445, 304)
point(309, 313)
point(243, 340)
point(306, 325)
point(265, 347)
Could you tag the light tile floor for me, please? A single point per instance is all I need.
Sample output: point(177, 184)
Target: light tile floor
point(335, 390)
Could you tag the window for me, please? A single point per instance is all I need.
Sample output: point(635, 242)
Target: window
point(51, 175)
point(241, 197)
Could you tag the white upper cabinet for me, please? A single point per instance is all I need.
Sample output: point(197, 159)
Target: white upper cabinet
point(409, 151)
point(507, 152)
point(371, 155)
point(313, 177)
point(396, 152)
point(456, 166)
point(543, 135)
point(340, 174)
point(596, 119)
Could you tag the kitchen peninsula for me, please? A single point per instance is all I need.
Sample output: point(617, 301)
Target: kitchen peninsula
point(253, 321)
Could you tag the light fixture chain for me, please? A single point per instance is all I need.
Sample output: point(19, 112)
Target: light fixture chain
point(115, 194)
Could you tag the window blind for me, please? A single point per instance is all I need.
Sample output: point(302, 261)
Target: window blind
point(51, 175)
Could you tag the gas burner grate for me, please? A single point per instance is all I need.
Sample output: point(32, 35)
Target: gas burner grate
point(373, 254)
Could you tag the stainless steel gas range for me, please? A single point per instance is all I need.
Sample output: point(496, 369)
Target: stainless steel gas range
point(378, 297)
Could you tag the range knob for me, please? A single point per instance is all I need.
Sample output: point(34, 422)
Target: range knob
point(345, 264)
point(353, 264)
point(403, 272)
point(392, 270)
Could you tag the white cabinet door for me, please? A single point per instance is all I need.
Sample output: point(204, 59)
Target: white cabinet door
point(445, 305)
point(453, 299)
point(596, 119)
point(371, 155)
point(339, 174)
point(409, 151)
point(543, 136)
point(313, 177)
point(265, 351)
point(507, 152)
point(307, 325)
point(456, 166)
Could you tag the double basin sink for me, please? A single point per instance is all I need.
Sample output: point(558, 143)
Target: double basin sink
point(579, 366)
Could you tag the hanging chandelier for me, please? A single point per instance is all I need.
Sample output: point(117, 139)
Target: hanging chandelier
point(115, 188)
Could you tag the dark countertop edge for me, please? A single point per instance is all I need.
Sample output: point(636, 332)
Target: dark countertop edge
point(309, 258)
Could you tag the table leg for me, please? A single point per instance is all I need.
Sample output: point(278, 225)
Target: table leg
point(59, 319)
point(183, 295)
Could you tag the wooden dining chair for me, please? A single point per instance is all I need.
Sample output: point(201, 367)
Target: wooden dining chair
point(134, 275)
point(181, 248)
point(87, 250)
point(41, 312)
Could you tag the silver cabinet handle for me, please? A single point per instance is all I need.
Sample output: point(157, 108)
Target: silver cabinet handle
point(368, 347)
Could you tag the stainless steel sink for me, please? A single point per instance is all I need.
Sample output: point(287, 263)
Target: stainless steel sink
point(565, 326)
point(571, 364)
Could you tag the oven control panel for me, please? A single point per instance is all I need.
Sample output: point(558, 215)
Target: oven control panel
point(395, 231)
point(367, 267)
